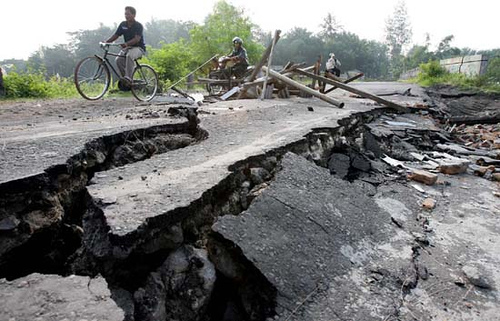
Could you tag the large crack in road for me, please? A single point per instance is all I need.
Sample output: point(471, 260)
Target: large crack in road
point(278, 213)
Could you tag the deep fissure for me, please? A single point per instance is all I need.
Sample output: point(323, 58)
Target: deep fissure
point(252, 295)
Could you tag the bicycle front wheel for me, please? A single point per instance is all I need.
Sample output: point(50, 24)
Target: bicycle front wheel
point(144, 83)
point(92, 78)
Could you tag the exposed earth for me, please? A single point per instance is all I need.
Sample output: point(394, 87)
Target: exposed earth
point(279, 209)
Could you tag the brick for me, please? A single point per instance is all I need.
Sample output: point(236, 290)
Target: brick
point(429, 203)
point(423, 177)
point(454, 166)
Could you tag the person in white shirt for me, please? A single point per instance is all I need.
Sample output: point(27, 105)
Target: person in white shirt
point(333, 65)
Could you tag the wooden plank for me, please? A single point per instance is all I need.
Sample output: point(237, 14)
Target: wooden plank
point(297, 85)
point(288, 73)
point(231, 92)
point(316, 71)
point(345, 82)
point(269, 61)
point(354, 90)
point(180, 91)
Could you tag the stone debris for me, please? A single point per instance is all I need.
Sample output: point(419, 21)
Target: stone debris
point(423, 176)
point(482, 136)
point(179, 290)
point(429, 203)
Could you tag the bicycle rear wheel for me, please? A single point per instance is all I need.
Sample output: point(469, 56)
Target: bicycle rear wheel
point(144, 83)
point(92, 78)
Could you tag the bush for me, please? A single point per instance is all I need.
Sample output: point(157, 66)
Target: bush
point(25, 85)
point(432, 69)
point(493, 71)
point(34, 85)
point(171, 61)
point(432, 73)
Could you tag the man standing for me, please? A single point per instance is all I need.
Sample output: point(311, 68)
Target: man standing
point(333, 65)
point(133, 48)
point(239, 57)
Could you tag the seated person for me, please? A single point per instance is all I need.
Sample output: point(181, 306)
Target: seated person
point(238, 57)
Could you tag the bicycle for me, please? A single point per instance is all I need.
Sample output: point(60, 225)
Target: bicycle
point(93, 77)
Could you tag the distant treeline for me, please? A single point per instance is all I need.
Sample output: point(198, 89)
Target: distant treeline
point(176, 47)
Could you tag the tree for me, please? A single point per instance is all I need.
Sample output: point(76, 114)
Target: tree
point(398, 30)
point(493, 71)
point(417, 55)
point(85, 43)
point(298, 45)
point(329, 28)
point(445, 50)
point(370, 57)
point(158, 32)
point(172, 61)
point(56, 61)
point(218, 30)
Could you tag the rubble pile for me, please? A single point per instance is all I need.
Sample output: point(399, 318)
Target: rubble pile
point(415, 147)
point(478, 136)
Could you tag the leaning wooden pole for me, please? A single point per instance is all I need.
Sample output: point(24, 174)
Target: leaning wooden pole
point(345, 81)
point(308, 90)
point(261, 63)
point(354, 90)
point(269, 62)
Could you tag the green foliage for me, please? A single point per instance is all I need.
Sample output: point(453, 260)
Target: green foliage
point(85, 43)
point(34, 85)
point(297, 45)
point(171, 61)
point(432, 74)
point(417, 55)
point(218, 30)
point(493, 72)
point(445, 50)
point(52, 61)
point(159, 32)
point(370, 57)
point(432, 69)
point(25, 85)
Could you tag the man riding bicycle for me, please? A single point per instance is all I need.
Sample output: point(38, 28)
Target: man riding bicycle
point(133, 48)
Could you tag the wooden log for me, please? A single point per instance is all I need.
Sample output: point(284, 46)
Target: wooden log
point(262, 61)
point(345, 82)
point(269, 61)
point(354, 90)
point(316, 71)
point(288, 73)
point(288, 65)
point(180, 91)
point(297, 85)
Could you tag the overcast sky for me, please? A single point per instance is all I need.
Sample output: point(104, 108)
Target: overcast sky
point(27, 25)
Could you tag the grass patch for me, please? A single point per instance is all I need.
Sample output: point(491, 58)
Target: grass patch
point(34, 85)
point(432, 73)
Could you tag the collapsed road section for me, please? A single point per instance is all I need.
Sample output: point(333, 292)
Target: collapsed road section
point(289, 210)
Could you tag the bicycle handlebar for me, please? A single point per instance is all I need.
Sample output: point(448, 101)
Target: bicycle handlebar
point(109, 44)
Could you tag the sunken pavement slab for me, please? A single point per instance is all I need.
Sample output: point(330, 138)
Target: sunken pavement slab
point(323, 244)
point(134, 195)
point(39, 297)
point(30, 150)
